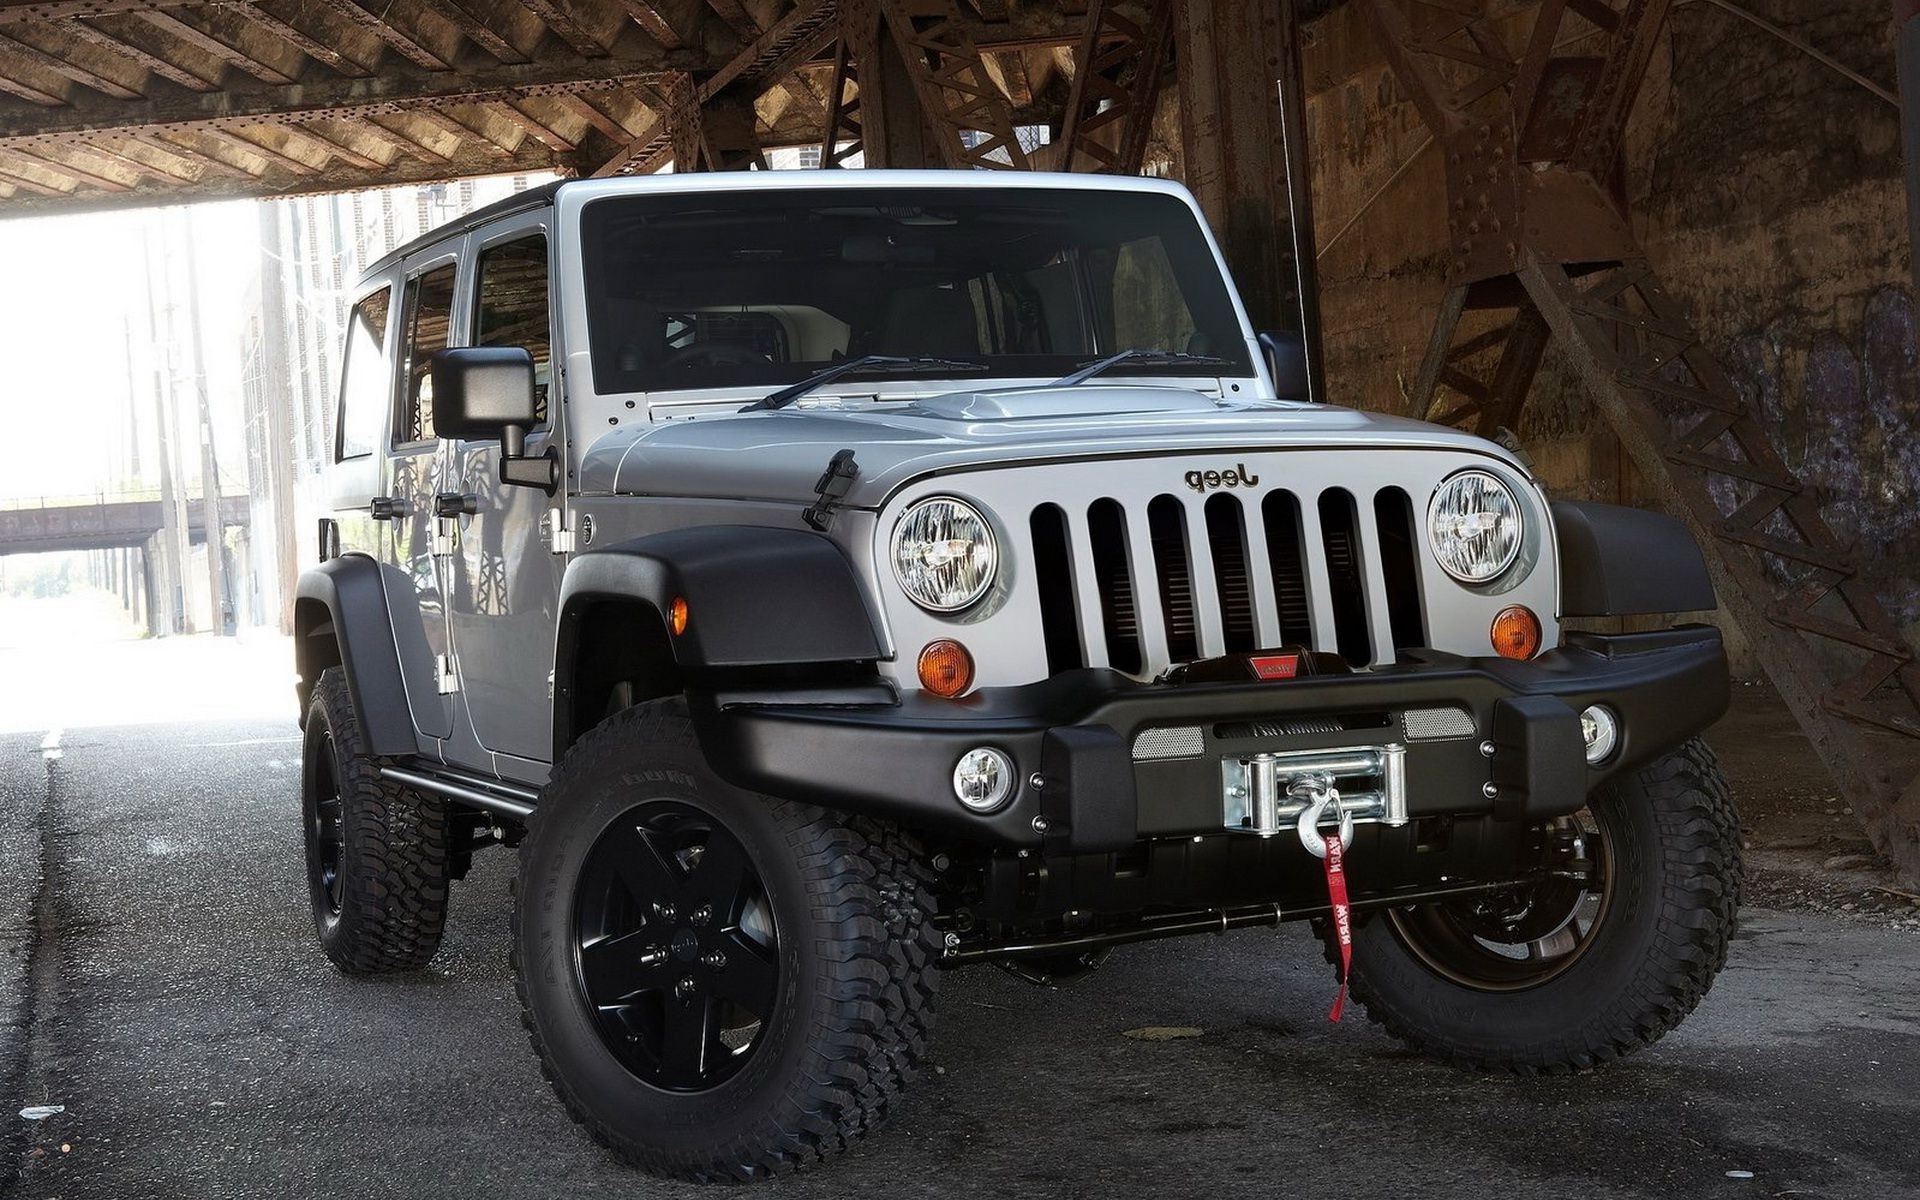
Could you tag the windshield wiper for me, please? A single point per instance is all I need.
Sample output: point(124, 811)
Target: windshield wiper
point(1145, 358)
point(860, 366)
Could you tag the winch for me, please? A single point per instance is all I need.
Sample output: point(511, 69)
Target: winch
point(1300, 790)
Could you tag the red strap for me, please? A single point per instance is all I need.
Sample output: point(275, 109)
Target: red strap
point(1342, 918)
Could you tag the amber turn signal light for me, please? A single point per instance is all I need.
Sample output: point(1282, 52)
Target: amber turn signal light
point(677, 615)
point(1516, 633)
point(946, 669)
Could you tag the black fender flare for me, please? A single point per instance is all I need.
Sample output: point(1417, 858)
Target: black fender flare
point(758, 598)
point(346, 594)
point(1617, 561)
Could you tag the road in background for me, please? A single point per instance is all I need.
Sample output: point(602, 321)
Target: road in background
point(159, 979)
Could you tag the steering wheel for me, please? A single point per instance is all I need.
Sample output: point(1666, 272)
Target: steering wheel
point(718, 354)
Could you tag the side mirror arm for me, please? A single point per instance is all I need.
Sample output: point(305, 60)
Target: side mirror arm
point(519, 469)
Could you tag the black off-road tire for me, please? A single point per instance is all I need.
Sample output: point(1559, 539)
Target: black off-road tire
point(858, 962)
point(1675, 879)
point(391, 857)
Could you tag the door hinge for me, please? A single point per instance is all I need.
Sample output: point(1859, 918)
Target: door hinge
point(559, 536)
point(446, 674)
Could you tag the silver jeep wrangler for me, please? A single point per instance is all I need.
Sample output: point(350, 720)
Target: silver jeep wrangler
point(828, 579)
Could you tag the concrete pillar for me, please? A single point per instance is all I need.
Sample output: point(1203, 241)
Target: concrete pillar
point(276, 391)
point(150, 591)
point(172, 561)
point(219, 603)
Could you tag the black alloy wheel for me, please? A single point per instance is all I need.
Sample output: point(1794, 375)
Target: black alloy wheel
point(324, 825)
point(1522, 937)
point(676, 948)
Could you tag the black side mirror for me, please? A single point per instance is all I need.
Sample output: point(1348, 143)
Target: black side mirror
point(487, 391)
point(1287, 361)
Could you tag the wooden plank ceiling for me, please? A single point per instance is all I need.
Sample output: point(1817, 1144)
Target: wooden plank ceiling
point(123, 102)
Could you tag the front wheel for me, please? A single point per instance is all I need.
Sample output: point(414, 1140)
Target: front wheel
point(1572, 972)
point(719, 985)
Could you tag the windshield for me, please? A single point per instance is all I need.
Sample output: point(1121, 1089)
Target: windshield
point(756, 288)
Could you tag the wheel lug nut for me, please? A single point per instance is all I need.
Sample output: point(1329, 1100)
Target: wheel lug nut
point(702, 915)
point(685, 988)
point(663, 911)
point(715, 960)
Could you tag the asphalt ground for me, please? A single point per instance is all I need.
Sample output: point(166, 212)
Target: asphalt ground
point(160, 981)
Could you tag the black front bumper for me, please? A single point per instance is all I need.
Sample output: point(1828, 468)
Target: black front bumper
point(1523, 759)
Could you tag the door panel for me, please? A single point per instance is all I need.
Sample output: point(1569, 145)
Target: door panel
point(506, 580)
point(416, 468)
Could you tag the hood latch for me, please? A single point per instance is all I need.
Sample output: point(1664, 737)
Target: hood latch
point(833, 487)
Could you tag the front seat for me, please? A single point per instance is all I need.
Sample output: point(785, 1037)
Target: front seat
point(932, 321)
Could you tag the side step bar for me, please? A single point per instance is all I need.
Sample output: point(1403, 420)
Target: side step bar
point(492, 795)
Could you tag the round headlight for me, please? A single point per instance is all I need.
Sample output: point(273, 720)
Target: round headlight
point(944, 554)
point(1475, 525)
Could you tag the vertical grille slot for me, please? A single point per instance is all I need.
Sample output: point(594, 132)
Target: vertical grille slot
point(1227, 538)
point(1107, 535)
point(1340, 535)
point(1053, 575)
point(1167, 527)
point(1280, 512)
point(1399, 562)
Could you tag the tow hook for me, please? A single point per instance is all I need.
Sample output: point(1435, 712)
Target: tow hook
point(1319, 795)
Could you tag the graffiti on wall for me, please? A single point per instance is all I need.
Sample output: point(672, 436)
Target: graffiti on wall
point(1851, 431)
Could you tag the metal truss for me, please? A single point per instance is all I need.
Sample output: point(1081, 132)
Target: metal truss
point(1118, 69)
point(1539, 233)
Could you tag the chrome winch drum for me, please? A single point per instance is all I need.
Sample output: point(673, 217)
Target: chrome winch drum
point(1299, 790)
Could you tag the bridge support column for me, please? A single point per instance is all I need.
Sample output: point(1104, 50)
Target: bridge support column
point(149, 592)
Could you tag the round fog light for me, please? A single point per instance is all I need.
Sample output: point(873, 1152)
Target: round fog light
point(1601, 729)
point(983, 779)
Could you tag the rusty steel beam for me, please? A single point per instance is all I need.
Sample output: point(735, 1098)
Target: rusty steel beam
point(591, 113)
point(103, 40)
point(200, 39)
point(971, 116)
point(256, 13)
point(377, 23)
point(565, 27)
point(1538, 230)
point(395, 88)
point(649, 17)
point(475, 29)
point(538, 128)
point(67, 68)
point(1117, 71)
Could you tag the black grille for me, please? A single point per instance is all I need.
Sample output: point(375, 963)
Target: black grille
point(1281, 513)
point(1227, 539)
point(1209, 578)
point(1167, 524)
point(1107, 537)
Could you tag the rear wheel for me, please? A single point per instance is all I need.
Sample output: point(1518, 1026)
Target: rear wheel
point(376, 851)
point(1603, 958)
point(719, 985)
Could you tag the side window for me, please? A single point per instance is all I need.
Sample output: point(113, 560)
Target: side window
point(427, 321)
point(511, 307)
point(364, 378)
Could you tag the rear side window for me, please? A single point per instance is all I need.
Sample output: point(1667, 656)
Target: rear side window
point(428, 322)
point(364, 378)
point(511, 306)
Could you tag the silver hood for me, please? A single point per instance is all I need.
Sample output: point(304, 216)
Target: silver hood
point(779, 455)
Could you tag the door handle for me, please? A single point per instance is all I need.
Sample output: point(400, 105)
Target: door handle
point(456, 504)
point(389, 508)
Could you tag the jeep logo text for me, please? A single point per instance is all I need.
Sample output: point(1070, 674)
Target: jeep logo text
point(1203, 481)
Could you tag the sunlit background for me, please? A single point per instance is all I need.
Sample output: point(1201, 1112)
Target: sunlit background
point(138, 327)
